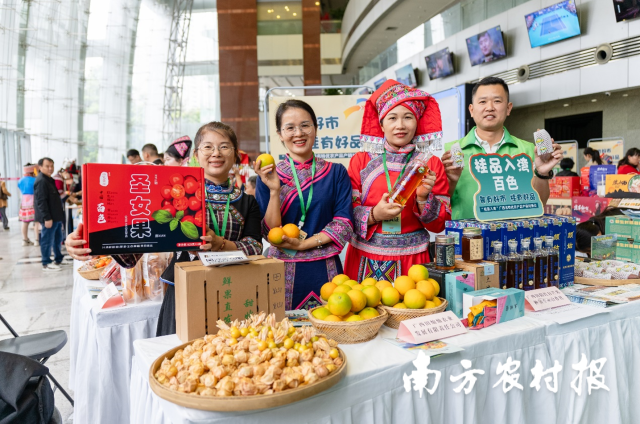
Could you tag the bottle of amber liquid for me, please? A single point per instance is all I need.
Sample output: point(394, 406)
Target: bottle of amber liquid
point(472, 248)
point(514, 266)
point(528, 265)
point(501, 260)
point(553, 263)
point(412, 178)
point(541, 279)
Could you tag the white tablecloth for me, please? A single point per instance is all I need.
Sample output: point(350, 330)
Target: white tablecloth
point(373, 392)
point(101, 348)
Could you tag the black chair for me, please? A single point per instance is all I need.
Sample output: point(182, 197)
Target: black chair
point(39, 347)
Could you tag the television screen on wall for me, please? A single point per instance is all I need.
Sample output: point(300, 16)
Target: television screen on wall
point(553, 23)
point(488, 46)
point(439, 64)
point(406, 76)
point(626, 9)
point(377, 84)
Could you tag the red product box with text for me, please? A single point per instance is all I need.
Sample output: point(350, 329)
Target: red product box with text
point(564, 187)
point(142, 208)
point(585, 208)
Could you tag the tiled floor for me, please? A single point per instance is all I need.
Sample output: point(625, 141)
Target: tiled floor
point(33, 302)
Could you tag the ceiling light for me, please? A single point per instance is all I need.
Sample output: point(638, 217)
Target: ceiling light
point(286, 8)
point(317, 3)
point(295, 14)
point(278, 16)
point(566, 105)
point(625, 95)
point(594, 100)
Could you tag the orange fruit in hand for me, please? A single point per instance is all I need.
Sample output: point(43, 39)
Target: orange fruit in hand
point(266, 159)
point(275, 235)
point(291, 231)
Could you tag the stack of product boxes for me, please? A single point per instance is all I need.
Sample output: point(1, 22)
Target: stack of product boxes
point(561, 228)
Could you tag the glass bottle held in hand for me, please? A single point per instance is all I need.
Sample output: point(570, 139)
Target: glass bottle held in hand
point(501, 260)
point(514, 266)
point(540, 255)
point(552, 263)
point(528, 265)
point(408, 184)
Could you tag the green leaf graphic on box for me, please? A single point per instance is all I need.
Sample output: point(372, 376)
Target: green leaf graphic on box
point(190, 230)
point(174, 224)
point(161, 216)
point(180, 215)
point(505, 187)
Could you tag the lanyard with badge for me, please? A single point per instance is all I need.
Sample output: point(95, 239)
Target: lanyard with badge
point(304, 208)
point(393, 225)
point(216, 229)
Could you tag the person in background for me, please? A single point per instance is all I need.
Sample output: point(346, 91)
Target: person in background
point(566, 165)
point(4, 201)
point(27, 212)
point(50, 214)
point(133, 156)
point(310, 193)
point(629, 163)
point(150, 154)
point(178, 152)
point(592, 156)
point(584, 232)
point(250, 187)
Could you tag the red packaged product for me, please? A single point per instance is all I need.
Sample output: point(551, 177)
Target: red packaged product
point(588, 207)
point(141, 208)
point(564, 187)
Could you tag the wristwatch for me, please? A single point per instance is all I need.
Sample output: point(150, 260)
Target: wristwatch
point(543, 177)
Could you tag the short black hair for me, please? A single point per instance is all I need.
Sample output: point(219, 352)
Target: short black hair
point(567, 163)
point(252, 180)
point(297, 104)
point(41, 161)
point(133, 152)
point(150, 148)
point(490, 81)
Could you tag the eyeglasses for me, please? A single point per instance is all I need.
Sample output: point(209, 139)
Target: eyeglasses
point(290, 130)
point(208, 149)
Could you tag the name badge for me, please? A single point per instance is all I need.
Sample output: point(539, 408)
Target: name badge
point(392, 226)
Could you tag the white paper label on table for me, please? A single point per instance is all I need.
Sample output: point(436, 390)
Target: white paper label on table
point(564, 314)
point(109, 297)
point(223, 258)
point(430, 327)
point(547, 298)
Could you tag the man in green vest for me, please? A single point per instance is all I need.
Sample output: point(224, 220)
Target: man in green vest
point(489, 108)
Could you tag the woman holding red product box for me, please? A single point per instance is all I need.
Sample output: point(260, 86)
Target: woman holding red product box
point(232, 217)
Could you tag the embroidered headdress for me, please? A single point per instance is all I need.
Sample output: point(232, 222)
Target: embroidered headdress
point(180, 147)
point(421, 104)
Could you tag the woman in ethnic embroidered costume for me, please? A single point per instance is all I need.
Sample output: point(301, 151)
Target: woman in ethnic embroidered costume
point(398, 120)
point(233, 216)
point(326, 219)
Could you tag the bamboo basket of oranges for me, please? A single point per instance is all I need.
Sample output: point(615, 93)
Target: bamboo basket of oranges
point(92, 269)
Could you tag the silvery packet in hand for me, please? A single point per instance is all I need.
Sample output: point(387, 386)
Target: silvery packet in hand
point(544, 145)
point(457, 156)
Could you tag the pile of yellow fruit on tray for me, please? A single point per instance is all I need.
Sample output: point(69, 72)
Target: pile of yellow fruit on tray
point(348, 300)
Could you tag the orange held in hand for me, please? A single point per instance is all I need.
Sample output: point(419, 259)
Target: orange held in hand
point(266, 159)
point(275, 235)
point(291, 231)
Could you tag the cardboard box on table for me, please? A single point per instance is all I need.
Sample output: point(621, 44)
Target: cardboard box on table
point(440, 277)
point(510, 303)
point(566, 250)
point(205, 295)
point(628, 232)
point(587, 207)
point(564, 187)
point(622, 186)
point(486, 273)
point(458, 283)
point(558, 207)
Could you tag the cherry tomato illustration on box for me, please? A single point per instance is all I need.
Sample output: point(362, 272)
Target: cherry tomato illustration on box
point(181, 203)
point(199, 193)
point(198, 219)
point(195, 204)
point(190, 185)
point(189, 218)
point(176, 179)
point(165, 192)
point(177, 191)
point(169, 208)
point(166, 202)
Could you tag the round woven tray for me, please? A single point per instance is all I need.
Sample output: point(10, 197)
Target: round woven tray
point(91, 274)
point(240, 403)
point(396, 314)
point(350, 332)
